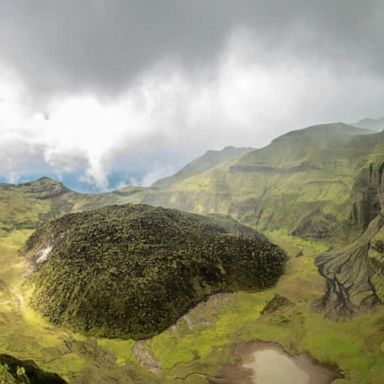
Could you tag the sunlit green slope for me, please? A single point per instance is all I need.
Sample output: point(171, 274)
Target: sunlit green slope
point(209, 160)
point(302, 182)
point(299, 184)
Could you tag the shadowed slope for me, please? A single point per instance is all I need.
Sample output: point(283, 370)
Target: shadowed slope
point(25, 372)
point(355, 275)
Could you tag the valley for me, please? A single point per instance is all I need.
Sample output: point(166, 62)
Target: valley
point(316, 193)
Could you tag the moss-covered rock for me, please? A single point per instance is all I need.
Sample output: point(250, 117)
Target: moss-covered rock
point(15, 371)
point(132, 270)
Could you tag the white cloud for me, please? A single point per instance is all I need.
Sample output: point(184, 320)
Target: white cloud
point(170, 116)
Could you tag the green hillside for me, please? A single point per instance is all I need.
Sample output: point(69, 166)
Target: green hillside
point(303, 182)
point(133, 270)
point(24, 206)
point(209, 160)
point(28, 205)
point(316, 192)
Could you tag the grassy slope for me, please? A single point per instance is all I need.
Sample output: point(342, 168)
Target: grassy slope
point(299, 177)
point(357, 345)
point(226, 319)
point(209, 160)
point(304, 175)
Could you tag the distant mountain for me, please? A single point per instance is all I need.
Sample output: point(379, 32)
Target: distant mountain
point(117, 178)
point(302, 182)
point(368, 123)
point(75, 182)
point(209, 160)
point(27, 205)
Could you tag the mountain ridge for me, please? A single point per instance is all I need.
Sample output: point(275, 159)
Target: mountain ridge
point(304, 175)
point(209, 160)
point(317, 163)
point(371, 123)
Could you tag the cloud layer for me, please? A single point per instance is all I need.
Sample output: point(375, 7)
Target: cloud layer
point(136, 88)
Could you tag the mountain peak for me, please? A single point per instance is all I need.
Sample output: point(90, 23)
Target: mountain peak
point(371, 123)
point(46, 180)
point(45, 187)
point(319, 129)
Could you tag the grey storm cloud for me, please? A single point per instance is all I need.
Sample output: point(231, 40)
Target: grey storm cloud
point(96, 89)
point(104, 45)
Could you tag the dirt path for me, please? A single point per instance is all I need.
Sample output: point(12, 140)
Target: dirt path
point(145, 357)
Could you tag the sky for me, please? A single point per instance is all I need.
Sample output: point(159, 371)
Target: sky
point(101, 93)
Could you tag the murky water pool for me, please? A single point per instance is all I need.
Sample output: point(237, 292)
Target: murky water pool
point(268, 363)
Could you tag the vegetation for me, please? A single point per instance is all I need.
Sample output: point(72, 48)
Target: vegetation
point(355, 274)
point(303, 181)
point(14, 371)
point(133, 270)
point(209, 160)
point(322, 184)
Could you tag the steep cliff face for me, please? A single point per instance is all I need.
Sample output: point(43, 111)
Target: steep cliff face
point(365, 196)
point(318, 225)
point(355, 275)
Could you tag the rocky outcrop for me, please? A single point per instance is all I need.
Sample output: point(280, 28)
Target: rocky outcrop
point(275, 304)
point(27, 371)
point(355, 275)
point(317, 225)
point(349, 276)
point(365, 196)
